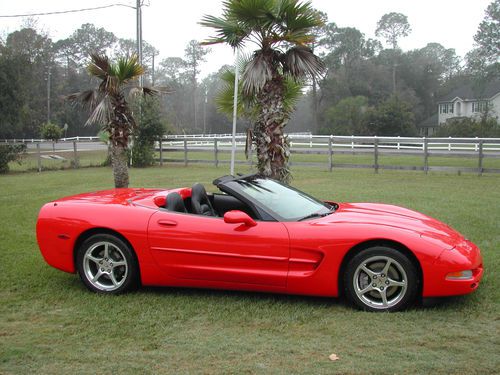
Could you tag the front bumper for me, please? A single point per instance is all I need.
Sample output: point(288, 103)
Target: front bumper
point(464, 256)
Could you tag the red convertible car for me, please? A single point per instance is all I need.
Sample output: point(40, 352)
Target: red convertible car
point(258, 235)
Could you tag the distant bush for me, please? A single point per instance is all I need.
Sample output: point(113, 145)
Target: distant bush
point(468, 127)
point(151, 127)
point(51, 131)
point(10, 153)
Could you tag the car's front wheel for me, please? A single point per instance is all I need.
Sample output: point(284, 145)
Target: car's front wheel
point(381, 279)
point(106, 264)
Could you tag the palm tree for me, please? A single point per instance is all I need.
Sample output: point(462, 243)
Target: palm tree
point(283, 31)
point(109, 108)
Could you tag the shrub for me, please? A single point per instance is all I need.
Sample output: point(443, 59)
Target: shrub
point(468, 127)
point(50, 131)
point(10, 153)
point(151, 127)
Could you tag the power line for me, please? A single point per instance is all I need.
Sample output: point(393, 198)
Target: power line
point(66, 11)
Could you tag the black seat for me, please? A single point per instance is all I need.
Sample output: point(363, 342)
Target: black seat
point(175, 202)
point(200, 204)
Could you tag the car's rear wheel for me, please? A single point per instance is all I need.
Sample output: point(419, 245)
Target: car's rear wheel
point(106, 264)
point(381, 279)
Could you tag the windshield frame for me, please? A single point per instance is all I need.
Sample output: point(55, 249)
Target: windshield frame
point(233, 186)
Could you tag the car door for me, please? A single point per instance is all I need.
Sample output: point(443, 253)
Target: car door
point(196, 247)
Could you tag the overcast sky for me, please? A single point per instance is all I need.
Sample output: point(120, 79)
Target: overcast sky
point(170, 24)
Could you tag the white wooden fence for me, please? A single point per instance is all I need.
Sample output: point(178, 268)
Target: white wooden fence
point(476, 148)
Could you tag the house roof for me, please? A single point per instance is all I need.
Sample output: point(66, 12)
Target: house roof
point(471, 92)
point(430, 122)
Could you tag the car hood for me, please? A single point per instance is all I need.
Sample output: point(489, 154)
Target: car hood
point(394, 217)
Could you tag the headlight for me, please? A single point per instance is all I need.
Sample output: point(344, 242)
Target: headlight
point(459, 275)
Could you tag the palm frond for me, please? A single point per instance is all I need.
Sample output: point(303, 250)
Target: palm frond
point(127, 69)
point(148, 91)
point(88, 99)
point(102, 113)
point(301, 62)
point(257, 72)
point(225, 97)
point(227, 31)
point(292, 93)
point(99, 66)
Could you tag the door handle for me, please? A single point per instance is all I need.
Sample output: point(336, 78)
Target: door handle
point(167, 223)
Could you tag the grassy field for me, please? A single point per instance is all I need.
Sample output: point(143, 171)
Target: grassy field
point(50, 324)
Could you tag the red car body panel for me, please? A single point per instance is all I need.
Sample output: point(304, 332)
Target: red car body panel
point(304, 257)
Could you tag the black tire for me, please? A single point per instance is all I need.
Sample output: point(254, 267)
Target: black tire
point(377, 272)
point(106, 264)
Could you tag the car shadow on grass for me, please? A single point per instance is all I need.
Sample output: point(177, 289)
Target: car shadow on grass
point(454, 303)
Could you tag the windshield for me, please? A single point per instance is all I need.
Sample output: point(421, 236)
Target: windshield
point(289, 204)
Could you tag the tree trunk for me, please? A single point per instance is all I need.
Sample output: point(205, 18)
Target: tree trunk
point(394, 78)
point(119, 163)
point(271, 143)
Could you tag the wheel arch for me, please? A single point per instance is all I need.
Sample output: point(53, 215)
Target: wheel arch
point(398, 246)
point(101, 230)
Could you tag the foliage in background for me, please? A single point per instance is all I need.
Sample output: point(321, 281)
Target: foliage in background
point(356, 65)
point(347, 117)
point(10, 152)
point(392, 117)
point(484, 59)
point(469, 127)
point(151, 128)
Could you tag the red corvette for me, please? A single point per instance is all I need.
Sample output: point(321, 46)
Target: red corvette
point(258, 235)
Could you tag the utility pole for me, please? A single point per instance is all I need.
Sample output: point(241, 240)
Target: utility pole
point(139, 37)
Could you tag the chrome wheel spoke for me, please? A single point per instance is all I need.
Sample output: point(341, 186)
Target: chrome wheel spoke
point(383, 294)
point(385, 271)
point(113, 279)
point(97, 276)
point(120, 263)
point(106, 250)
point(368, 271)
point(369, 288)
point(396, 283)
point(93, 258)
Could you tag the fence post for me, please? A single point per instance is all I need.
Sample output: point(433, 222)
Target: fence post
point(39, 157)
point(330, 154)
point(375, 154)
point(185, 152)
point(216, 153)
point(426, 155)
point(75, 152)
point(161, 150)
point(480, 166)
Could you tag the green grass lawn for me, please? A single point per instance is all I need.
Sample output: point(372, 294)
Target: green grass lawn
point(49, 323)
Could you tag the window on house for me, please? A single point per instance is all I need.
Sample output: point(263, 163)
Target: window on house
point(446, 108)
point(479, 106)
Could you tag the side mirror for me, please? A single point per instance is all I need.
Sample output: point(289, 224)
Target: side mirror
point(239, 217)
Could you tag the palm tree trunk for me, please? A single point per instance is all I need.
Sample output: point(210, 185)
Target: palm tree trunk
point(119, 163)
point(271, 143)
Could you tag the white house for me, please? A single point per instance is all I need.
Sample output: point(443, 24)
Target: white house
point(469, 101)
